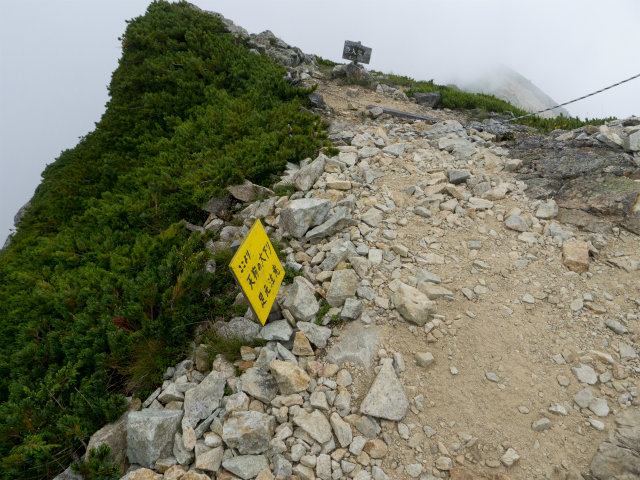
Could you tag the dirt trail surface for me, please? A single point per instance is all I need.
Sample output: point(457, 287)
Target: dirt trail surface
point(503, 351)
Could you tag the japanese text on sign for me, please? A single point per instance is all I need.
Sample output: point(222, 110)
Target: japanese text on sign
point(258, 271)
point(356, 52)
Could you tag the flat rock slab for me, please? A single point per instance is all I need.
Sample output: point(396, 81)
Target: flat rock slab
point(246, 466)
point(386, 398)
point(315, 424)
point(356, 344)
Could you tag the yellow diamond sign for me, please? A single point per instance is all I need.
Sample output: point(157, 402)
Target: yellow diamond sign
point(258, 271)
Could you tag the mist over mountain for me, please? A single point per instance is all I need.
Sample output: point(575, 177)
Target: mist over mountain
point(509, 85)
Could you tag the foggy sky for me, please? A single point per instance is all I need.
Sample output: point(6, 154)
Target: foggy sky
point(56, 58)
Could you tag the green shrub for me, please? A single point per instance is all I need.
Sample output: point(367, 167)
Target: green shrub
point(98, 466)
point(456, 99)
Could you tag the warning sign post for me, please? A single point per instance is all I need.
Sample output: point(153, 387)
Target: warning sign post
point(258, 271)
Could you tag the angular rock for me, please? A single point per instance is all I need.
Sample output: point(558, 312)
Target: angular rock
point(307, 175)
point(341, 429)
point(433, 292)
point(386, 398)
point(150, 435)
point(424, 359)
point(301, 345)
point(208, 459)
point(351, 310)
point(372, 217)
point(583, 398)
point(413, 305)
point(547, 210)
point(541, 425)
point(315, 424)
point(259, 384)
point(619, 456)
point(458, 176)
point(585, 374)
point(376, 448)
point(139, 474)
point(599, 407)
point(615, 326)
point(336, 223)
point(337, 255)
point(343, 285)
point(201, 401)
point(316, 334)
point(632, 142)
point(248, 192)
point(289, 377)
point(510, 457)
point(429, 99)
point(575, 256)
point(517, 223)
point(180, 452)
point(249, 432)
point(245, 466)
point(302, 214)
point(300, 301)
point(280, 330)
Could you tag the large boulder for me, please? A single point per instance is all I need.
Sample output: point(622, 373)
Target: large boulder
point(150, 435)
point(249, 432)
point(302, 214)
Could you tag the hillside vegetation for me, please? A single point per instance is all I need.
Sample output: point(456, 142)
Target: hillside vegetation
point(457, 99)
point(102, 285)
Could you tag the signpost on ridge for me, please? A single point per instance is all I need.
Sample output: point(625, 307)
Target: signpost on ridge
point(356, 52)
point(258, 271)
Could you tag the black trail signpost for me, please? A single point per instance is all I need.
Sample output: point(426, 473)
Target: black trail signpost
point(356, 52)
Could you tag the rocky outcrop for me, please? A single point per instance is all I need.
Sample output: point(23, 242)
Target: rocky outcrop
point(618, 458)
point(587, 172)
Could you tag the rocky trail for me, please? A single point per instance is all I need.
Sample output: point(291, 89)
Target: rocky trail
point(476, 329)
